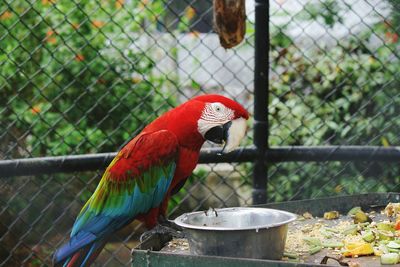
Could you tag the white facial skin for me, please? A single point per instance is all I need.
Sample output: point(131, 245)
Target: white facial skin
point(216, 114)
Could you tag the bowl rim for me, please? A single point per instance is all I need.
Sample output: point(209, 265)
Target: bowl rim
point(292, 217)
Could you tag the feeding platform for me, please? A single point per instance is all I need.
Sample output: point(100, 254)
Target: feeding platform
point(163, 250)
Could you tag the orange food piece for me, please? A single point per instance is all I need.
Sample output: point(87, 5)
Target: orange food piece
point(358, 249)
point(397, 225)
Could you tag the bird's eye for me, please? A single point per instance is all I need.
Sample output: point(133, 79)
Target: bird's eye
point(217, 107)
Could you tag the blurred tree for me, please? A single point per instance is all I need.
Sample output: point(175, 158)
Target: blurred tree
point(77, 78)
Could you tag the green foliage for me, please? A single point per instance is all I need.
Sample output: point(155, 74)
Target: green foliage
point(346, 94)
point(77, 77)
point(326, 11)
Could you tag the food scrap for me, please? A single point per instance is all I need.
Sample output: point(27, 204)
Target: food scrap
point(307, 215)
point(392, 210)
point(178, 244)
point(331, 215)
point(355, 249)
point(356, 235)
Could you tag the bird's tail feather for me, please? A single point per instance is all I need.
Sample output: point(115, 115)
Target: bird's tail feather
point(75, 259)
point(77, 248)
point(85, 256)
point(92, 253)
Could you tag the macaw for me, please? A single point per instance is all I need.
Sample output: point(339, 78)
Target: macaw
point(146, 171)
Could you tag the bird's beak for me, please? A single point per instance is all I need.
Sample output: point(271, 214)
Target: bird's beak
point(230, 134)
point(218, 134)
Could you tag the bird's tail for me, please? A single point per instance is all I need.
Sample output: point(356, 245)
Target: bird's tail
point(86, 256)
point(78, 252)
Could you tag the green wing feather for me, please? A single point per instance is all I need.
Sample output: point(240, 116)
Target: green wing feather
point(136, 181)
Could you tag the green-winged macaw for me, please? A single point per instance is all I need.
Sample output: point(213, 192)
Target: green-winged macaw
point(141, 178)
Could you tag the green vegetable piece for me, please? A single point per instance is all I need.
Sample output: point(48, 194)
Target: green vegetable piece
point(363, 224)
point(368, 236)
point(331, 230)
point(361, 217)
point(290, 255)
point(383, 248)
point(325, 233)
point(314, 250)
point(332, 244)
point(351, 230)
point(385, 226)
point(393, 244)
point(354, 210)
point(390, 258)
point(385, 235)
point(313, 241)
point(331, 215)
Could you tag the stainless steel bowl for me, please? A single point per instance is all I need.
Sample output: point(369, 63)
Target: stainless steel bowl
point(237, 232)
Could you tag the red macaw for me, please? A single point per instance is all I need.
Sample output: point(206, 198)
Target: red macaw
point(139, 181)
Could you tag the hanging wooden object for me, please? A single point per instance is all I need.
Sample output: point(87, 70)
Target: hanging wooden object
point(230, 21)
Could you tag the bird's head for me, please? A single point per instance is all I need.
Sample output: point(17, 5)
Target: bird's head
point(222, 121)
point(207, 117)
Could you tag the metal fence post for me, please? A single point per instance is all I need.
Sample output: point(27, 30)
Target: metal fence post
point(260, 175)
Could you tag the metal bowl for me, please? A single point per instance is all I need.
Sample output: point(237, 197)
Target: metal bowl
point(237, 232)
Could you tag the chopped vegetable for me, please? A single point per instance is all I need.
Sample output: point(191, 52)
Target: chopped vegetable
point(390, 258)
point(368, 236)
point(351, 230)
point(326, 233)
point(362, 225)
point(393, 244)
point(377, 252)
point(397, 225)
point(312, 241)
point(290, 255)
point(358, 249)
point(331, 215)
point(361, 217)
point(359, 236)
point(353, 211)
point(392, 209)
point(384, 242)
point(314, 250)
point(385, 226)
point(383, 248)
point(385, 235)
point(331, 230)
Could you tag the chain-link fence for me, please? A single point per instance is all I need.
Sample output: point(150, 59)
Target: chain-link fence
point(334, 82)
point(81, 77)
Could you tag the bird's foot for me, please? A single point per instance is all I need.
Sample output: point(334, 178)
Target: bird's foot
point(163, 230)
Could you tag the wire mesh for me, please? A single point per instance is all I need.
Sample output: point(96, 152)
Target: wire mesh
point(81, 77)
point(333, 82)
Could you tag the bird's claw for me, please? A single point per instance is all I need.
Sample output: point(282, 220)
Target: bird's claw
point(162, 230)
point(169, 224)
